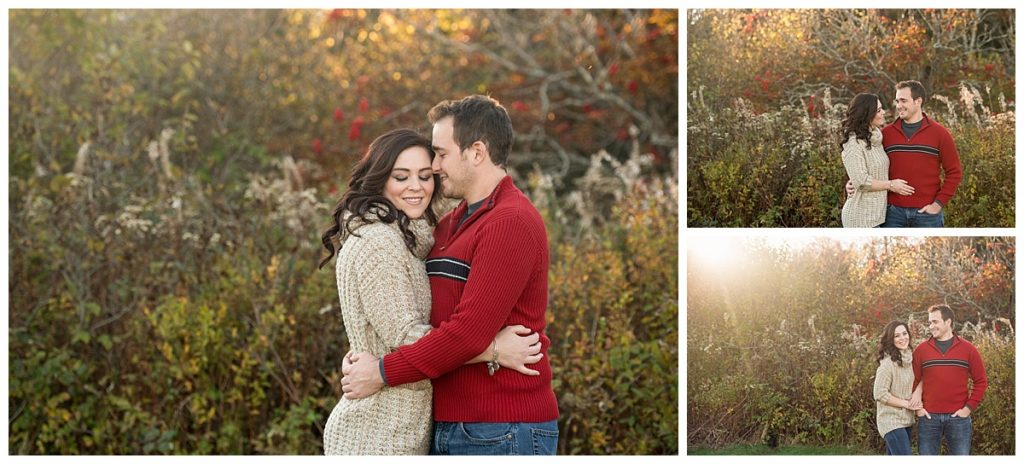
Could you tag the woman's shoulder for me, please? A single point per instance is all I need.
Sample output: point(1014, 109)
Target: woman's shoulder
point(854, 143)
point(377, 233)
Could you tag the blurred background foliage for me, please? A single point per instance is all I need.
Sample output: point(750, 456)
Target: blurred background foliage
point(789, 351)
point(171, 172)
point(768, 89)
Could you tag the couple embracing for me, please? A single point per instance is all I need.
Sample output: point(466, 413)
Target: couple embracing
point(902, 174)
point(929, 386)
point(445, 316)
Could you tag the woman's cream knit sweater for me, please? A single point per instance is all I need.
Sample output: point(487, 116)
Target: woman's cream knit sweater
point(893, 380)
point(385, 303)
point(865, 208)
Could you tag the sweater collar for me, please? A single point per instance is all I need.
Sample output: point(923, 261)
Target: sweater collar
point(898, 124)
point(503, 186)
point(876, 136)
point(955, 339)
point(420, 228)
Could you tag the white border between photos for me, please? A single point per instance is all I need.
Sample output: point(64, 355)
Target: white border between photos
point(835, 233)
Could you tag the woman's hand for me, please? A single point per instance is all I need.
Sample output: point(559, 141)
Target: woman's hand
point(900, 187)
point(518, 346)
point(914, 405)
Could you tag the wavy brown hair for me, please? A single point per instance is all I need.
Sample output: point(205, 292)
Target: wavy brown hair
point(887, 345)
point(364, 198)
point(859, 114)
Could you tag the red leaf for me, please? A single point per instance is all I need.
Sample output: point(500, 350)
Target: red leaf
point(519, 106)
point(633, 86)
point(318, 146)
point(613, 69)
point(356, 130)
point(364, 105)
point(338, 115)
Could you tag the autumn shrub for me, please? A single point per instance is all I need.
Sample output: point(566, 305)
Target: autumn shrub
point(783, 56)
point(788, 352)
point(229, 342)
point(613, 312)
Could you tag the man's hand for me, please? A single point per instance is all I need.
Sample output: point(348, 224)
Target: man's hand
point(518, 346)
point(923, 412)
point(962, 412)
point(362, 376)
point(849, 188)
point(932, 208)
point(915, 398)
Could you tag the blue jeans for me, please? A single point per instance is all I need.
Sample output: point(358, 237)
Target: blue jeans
point(897, 442)
point(495, 438)
point(956, 430)
point(898, 216)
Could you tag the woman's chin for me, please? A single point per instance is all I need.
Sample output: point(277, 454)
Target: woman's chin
point(416, 214)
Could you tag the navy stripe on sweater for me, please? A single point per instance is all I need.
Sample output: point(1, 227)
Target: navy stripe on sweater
point(449, 268)
point(946, 362)
point(913, 148)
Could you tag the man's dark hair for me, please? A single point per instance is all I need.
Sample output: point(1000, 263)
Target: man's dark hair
point(947, 312)
point(916, 90)
point(478, 117)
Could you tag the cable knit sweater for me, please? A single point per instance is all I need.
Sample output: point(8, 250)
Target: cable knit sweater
point(893, 380)
point(865, 208)
point(385, 303)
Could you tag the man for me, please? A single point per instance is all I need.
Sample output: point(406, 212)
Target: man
point(919, 149)
point(488, 269)
point(944, 363)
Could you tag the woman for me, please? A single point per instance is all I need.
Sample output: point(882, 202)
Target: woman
point(894, 380)
point(383, 225)
point(866, 163)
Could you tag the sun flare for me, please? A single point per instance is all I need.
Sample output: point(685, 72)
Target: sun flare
point(721, 255)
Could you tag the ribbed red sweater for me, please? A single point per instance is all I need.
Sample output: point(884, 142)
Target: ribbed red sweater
point(919, 160)
point(945, 376)
point(489, 273)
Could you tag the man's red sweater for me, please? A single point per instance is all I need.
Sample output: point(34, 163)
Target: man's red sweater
point(919, 160)
point(945, 376)
point(487, 274)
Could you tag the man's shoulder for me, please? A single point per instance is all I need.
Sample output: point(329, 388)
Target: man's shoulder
point(936, 125)
point(966, 343)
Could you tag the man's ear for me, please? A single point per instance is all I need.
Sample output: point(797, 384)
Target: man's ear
point(480, 152)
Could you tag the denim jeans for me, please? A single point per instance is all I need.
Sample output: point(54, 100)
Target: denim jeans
point(897, 442)
point(898, 216)
point(956, 430)
point(495, 438)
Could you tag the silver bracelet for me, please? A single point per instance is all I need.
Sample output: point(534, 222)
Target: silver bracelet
point(492, 365)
